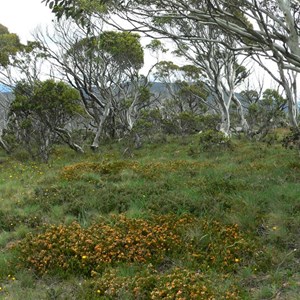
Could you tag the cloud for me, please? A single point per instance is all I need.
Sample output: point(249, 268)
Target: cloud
point(22, 17)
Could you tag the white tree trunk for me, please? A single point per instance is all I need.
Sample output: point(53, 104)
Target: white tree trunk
point(95, 144)
point(3, 143)
point(240, 111)
point(66, 137)
point(225, 119)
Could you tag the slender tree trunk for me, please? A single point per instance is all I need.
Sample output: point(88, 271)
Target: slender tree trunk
point(95, 144)
point(225, 120)
point(240, 111)
point(66, 137)
point(291, 97)
point(3, 143)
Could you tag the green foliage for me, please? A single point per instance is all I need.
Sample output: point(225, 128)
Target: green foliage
point(267, 112)
point(149, 124)
point(38, 110)
point(156, 45)
point(178, 283)
point(79, 10)
point(124, 48)
point(9, 45)
point(48, 99)
point(3, 30)
point(121, 48)
point(211, 140)
point(292, 139)
point(9, 222)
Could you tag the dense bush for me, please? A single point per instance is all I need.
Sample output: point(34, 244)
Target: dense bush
point(177, 283)
point(292, 140)
point(211, 140)
point(74, 249)
point(108, 169)
point(86, 250)
point(9, 222)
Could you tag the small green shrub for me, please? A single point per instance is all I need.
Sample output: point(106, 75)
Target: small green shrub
point(211, 140)
point(9, 221)
point(292, 140)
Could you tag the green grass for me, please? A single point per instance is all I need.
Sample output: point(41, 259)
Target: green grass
point(253, 185)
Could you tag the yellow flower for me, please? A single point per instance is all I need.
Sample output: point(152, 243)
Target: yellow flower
point(84, 257)
point(236, 260)
point(274, 227)
point(98, 291)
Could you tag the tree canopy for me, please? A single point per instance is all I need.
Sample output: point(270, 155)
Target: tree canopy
point(9, 45)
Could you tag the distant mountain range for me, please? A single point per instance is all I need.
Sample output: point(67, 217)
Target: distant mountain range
point(4, 88)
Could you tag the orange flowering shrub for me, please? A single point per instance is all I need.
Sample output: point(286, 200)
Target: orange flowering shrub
point(149, 170)
point(74, 171)
point(226, 248)
point(75, 249)
point(178, 283)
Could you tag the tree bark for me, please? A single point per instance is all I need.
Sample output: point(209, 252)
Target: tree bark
point(240, 111)
point(95, 144)
point(3, 144)
point(225, 120)
point(66, 137)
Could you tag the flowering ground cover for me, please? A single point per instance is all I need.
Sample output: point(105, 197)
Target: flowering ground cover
point(168, 223)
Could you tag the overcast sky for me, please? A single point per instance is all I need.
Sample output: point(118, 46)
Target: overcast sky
point(23, 16)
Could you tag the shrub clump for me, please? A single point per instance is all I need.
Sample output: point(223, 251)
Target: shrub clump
point(9, 222)
point(292, 140)
point(75, 171)
point(211, 140)
point(177, 283)
point(151, 170)
point(73, 249)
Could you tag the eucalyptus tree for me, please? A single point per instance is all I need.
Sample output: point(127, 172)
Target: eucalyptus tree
point(218, 62)
point(219, 65)
point(222, 70)
point(40, 112)
point(5, 100)
point(184, 86)
point(185, 94)
point(104, 67)
point(266, 112)
point(12, 68)
point(265, 27)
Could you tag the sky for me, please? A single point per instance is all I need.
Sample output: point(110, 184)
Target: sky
point(23, 16)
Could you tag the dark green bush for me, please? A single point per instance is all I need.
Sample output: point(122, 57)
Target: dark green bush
point(211, 140)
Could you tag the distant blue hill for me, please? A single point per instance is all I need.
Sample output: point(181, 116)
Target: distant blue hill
point(4, 88)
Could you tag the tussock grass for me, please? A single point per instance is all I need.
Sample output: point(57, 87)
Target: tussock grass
point(248, 193)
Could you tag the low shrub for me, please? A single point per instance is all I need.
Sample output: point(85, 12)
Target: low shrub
point(211, 140)
point(112, 169)
point(74, 249)
point(178, 283)
point(8, 221)
point(292, 140)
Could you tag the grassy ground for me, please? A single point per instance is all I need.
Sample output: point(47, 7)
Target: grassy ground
point(166, 222)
